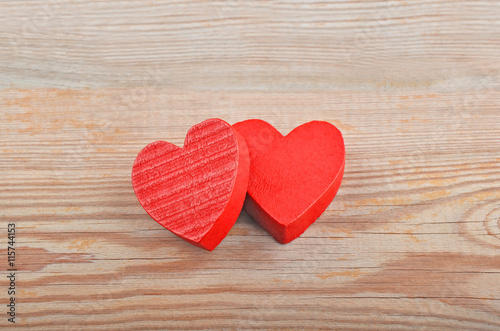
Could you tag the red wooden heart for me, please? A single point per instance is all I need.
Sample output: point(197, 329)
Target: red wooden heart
point(294, 178)
point(197, 191)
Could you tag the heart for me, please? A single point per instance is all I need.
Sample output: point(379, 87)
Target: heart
point(197, 191)
point(294, 178)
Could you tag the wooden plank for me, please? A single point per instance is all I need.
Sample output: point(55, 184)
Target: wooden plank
point(411, 241)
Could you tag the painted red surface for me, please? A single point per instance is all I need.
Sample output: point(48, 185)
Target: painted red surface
point(197, 191)
point(294, 178)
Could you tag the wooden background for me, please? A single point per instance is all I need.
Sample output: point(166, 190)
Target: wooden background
point(412, 240)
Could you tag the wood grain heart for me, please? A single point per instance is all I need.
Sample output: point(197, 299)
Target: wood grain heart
point(293, 179)
point(196, 191)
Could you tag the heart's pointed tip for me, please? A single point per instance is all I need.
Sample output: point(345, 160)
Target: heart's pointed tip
point(209, 248)
point(206, 246)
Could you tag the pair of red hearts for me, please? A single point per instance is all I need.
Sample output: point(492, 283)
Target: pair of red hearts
point(198, 191)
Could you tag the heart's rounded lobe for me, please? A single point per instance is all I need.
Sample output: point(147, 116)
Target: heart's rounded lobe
point(294, 178)
point(197, 191)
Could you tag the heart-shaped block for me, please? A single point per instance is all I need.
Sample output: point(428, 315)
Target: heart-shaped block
point(197, 191)
point(294, 178)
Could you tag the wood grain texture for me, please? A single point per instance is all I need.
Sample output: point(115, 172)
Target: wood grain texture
point(196, 191)
point(412, 240)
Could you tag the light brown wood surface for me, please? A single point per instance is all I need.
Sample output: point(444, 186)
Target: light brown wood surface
point(412, 240)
